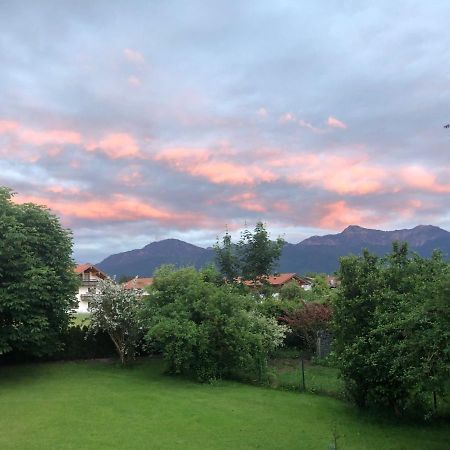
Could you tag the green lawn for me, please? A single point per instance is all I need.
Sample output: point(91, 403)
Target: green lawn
point(98, 405)
point(81, 319)
point(286, 374)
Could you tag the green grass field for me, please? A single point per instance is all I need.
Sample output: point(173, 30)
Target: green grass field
point(96, 405)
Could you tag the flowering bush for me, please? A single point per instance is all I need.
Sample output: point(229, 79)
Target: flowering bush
point(114, 309)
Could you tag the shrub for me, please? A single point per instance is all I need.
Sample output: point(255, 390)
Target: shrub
point(206, 329)
point(114, 310)
point(305, 322)
point(391, 329)
point(291, 291)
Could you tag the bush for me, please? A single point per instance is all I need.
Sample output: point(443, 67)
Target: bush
point(80, 343)
point(291, 291)
point(392, 329)
point(114, 310)
point(305, 322)
point(76, 343)
point(205, 329)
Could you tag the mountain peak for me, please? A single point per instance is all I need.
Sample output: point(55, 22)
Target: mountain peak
point(354, 229)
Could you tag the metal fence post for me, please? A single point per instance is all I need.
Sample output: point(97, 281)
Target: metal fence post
point(303, 373)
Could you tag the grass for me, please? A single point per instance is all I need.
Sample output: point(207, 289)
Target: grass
point(99, 405)
point(286, 373)
point(80, 319)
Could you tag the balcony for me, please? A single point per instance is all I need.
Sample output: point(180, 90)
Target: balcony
point(85, 298)
point(89, 282)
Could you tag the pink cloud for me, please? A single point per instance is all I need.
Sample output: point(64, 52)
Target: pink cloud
point(133, 56)
point(39, 138)
point(203, 163)
point(30, 145)
point(287, 118)
point(336, 123)
point(116, 145)
point(8, 126)
point(340, 174)
point(338, 215)
point(422, 179)
point(409, 208)
point(248, 201)
point(116, 208)
point(73, 205)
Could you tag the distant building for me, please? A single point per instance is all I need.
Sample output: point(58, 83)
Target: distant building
point(89, 278)
point(279, 280)
point(332, 281)
point(139, 284)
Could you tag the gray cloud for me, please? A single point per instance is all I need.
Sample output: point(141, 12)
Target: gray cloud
point(201, 74)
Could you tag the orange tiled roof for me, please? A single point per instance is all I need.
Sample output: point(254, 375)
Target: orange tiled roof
point(282, 278)
point(83, 267)
point(138, 283)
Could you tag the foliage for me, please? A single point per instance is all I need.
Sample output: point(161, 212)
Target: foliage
point(227, 258)
point(206, 329)
point(291, 291)
point(305, 322)
point(114, 309)
point(319, 292)
point(254, 257)
point(392, 328)
point(37, 279)
point(276, 306)
point(80, 343)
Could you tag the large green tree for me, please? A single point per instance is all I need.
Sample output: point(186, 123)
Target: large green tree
point(253, 257)
point(392, 328)
point(37, 280)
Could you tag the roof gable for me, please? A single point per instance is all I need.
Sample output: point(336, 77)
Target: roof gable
point(88, 267)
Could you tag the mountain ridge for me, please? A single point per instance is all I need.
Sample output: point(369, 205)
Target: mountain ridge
point(313, 254)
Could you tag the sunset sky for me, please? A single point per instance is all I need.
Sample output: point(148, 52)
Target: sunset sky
point(138, 121)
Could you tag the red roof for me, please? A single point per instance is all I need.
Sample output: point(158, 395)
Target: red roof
point(280, 279)
point(138, 283)
point(81, 268)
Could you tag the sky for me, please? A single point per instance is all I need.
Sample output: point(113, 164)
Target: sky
point(143, 120)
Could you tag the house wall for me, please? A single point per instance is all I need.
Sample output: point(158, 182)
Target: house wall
point(84, 290)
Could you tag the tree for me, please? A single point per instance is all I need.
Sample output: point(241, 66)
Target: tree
point(37, 279)
point(227, 258)
point(125, 278)
point(205, 329)
point(254, 257)
point(391, 328)
point(305, 322)
point(115, 309)
point(291, 291)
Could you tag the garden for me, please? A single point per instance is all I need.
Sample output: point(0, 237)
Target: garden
point(200, 360)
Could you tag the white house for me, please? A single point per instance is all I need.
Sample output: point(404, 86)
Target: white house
point(89, 277)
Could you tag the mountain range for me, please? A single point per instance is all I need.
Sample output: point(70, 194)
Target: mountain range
point(314, 254)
